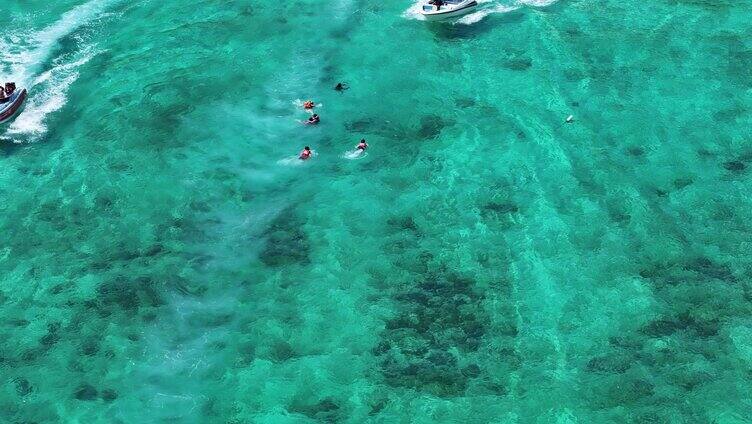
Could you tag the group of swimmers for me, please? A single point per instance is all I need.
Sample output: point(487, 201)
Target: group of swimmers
point(314, 119)
point(7, 91)
point(309, 105)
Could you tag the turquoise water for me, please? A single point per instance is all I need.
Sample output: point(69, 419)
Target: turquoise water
point(164, 257)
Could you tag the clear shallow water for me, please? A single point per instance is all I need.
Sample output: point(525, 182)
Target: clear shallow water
point(162, 262)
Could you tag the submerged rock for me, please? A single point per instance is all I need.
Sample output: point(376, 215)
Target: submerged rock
point(90, 348)
point(464, 102)
point(325, 410)
point(683, 322)
point(518, 63)
point(431, 126)
point(23, 387)
point(501, 208)
point(635, 151)
point(109, 395)
point(286, 242)
point(734, 166)
point(471, 371)
point(608, 364)
point(281, 352)
point(710, 269)
point(129, 294)
point(52, 335)
point(403, 223)
point(439, 320)
point(86, 392)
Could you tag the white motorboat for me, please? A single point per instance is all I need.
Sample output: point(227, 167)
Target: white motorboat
point(434, 10)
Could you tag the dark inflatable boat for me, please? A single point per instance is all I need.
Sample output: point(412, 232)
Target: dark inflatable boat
point(10, 106)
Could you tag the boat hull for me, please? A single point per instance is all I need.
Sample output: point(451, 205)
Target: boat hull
point(10, 108)
point(449, 13)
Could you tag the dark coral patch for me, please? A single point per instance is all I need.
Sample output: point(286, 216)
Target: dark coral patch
point(86, 392)
point(501, 208)
point(608, 364)
point(286, 242)
point(128, 294)
point(465, 102)
point(735, 166)
point(663, 327)
point(518, 63)
point(23, 387)
point(325, 410)
point(109, 395)
point(439, 320)
point(635, 151)
point(431, 126)
point(52, 336)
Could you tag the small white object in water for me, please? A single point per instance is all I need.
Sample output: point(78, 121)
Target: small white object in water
point(570, 119)
point(290, 161)
point(355, 154)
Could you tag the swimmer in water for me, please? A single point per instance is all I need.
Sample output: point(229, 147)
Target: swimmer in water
point(309, 104)
point(341, 86)
point(362, 146)
point(305, 154)
point(313, 120)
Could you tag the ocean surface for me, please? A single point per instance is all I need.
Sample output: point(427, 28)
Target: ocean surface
point(165, 258)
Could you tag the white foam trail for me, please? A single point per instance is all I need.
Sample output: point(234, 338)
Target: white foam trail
point(291, 161)
point(44, 102)
point(48, 89)
point(295, 160)
point(537, 3)
point(478, 16)
point(354, 154)
point(178, 349)
point(25, 63)
point(342, 10)
point(413, 12)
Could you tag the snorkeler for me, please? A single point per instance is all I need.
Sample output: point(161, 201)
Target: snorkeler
point(362, 145)
point(313, 120)
point(309, 104)
point(305, 154)
point(341, 86)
